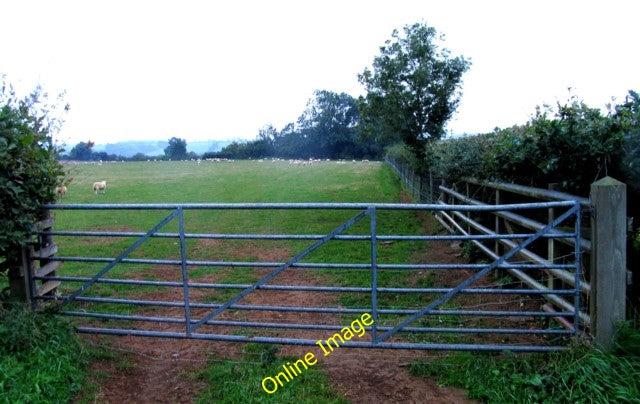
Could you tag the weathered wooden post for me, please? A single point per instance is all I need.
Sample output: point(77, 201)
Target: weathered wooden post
point(32, 260)
point(46, 249)
point(19, 268)
point(608, 258)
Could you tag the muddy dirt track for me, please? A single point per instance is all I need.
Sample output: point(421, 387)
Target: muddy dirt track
point(154, 370)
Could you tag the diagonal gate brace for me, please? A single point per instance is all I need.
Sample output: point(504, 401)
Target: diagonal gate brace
point(122, 256)
point(275, 272)
point(483, 272)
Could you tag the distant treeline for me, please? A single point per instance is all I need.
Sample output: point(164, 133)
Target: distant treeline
point(83, 151)
point(142, 150)
point(412, 89)
point(327, 129)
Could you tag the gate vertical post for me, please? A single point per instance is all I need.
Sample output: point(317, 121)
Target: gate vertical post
point(468, 214)
point(577, 271)
point(551, 250)
point(374, 275)
point(608, 258)
point(185, 276)
point(496, 243)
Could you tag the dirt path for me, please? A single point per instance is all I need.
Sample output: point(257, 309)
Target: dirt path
point(152, 370)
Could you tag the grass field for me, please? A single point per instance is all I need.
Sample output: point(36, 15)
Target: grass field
point(251, 181)
point(241, 181)
point(530, 378)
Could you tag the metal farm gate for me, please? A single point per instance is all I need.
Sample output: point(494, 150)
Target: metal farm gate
point(414, 304)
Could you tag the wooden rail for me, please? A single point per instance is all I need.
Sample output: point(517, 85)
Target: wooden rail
point(603, 246)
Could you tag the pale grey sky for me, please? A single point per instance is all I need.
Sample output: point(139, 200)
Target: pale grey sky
point(221, 70)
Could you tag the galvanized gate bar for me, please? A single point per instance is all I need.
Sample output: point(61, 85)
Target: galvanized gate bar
point(343, 289)
point(575, 208)
point(363, 237)
point(113, 263)
point(312, 206)
point(239, 264)
point(295, 326)
point(303, 309)
point(312, 342)
point(292, 261)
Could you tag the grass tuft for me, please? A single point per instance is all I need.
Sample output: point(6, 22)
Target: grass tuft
point(239, 381)
point(41, 358)
point(580, 374)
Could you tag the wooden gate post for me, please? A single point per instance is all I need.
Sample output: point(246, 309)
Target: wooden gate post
point(19, 280)
point(608, 258)
point(31, 260)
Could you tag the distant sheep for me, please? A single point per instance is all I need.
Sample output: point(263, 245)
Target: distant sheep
point(100, 186)
point(61, 190)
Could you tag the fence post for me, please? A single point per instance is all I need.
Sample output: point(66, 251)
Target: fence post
point(19, 279)
point(608, 258)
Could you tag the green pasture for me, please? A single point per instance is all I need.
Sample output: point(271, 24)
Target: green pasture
point(228, 182)
point(239, 181)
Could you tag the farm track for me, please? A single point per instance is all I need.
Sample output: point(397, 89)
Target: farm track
point(153, 370)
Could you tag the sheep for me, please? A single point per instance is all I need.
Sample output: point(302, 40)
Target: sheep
point(100, 186)
point(61, 190)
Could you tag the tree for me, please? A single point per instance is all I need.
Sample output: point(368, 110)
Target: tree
point(413, 89)
point(29, 170)
point(82, 151)
point(177, 149)
point(329, 124)
point(264, 144)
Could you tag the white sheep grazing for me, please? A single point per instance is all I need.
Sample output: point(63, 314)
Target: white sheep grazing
point(61, 190)
point(100, 186)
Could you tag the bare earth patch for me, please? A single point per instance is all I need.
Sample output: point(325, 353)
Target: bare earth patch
point(154, 370)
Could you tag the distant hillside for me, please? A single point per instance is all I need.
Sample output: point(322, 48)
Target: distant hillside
point(156, 147)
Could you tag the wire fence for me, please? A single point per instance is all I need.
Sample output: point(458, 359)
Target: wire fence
point(423, 189)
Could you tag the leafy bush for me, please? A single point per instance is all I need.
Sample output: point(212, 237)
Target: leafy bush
point(403, 155)
point(574, 149)
point(573, 146)
point(455, 158)
point(29, 171)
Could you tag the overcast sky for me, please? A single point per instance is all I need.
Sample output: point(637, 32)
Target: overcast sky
point(223, 69)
